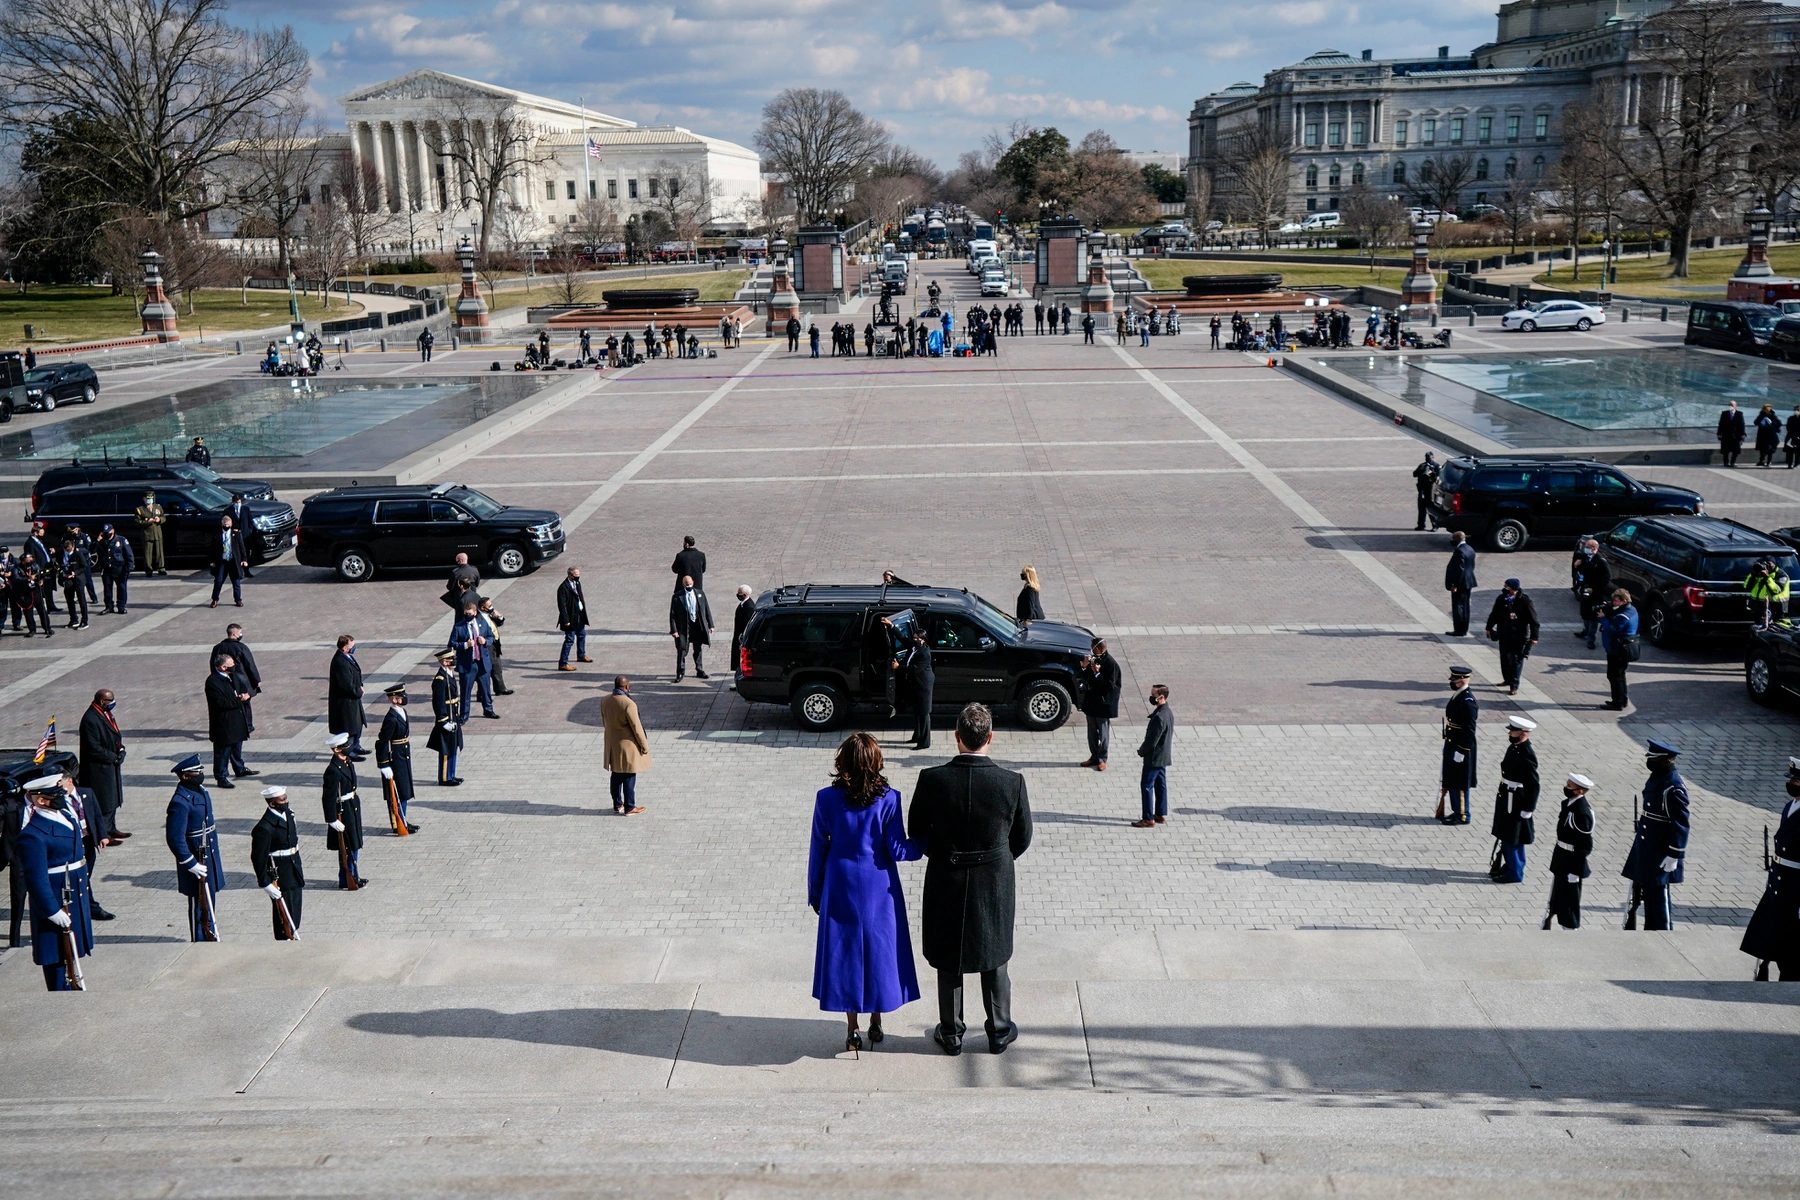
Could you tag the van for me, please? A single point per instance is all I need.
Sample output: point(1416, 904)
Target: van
point(1322, 220)
point(1731, 325)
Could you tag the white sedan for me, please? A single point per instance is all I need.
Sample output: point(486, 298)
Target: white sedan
point(1554, 314)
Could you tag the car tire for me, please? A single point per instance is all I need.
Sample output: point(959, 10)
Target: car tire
point(509, 560)
point(1528, 326)
point(1508, 535)
point(1658, 626)
point(1583, 325)
point(1044, 704)
point(48, 404)
point(1760, 679)
point(89, 394)
point(355, 565)
point(818, 707)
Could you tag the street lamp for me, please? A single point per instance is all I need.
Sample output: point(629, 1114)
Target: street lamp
point(440, 229)
point(1606, 248)
point(295, 325)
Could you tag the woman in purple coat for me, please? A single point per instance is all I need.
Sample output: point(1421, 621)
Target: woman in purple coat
point(864, 959)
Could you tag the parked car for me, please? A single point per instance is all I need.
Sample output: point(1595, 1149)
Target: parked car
point(1731, 325)
point(1784, 339)
point(15, 393)
point(193, 510)
point(64, 383)
point(1554, 314)
point(1772, 664)
point(127, 470)
point(821, 650)
point(358, 531)
point(1215, 226)
point(1321, 220)
point(1686, 573)
point(993, 282)
point(1514, 499)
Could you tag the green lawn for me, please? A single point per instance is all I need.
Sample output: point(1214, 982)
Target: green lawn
point(713, 285)
point(1164, 275)
point(80, 314)
point(1707, 272)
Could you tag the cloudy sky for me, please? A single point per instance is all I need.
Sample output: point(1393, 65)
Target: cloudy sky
point(940, 73)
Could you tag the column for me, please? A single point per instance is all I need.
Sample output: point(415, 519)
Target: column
point(401, 191)
point(379, 157)
point(1375, 122)
point(356, 196)
point(428, 197)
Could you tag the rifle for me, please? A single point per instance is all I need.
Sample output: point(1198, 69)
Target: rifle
point(391, 790)
point(351, 883)
point(1637, 897)
point(1439, 814)
point(286, 918)
point(65, 943)
point(209, 925)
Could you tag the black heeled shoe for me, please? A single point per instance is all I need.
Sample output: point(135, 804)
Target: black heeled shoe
point(875, 1034)
point(854, 1041)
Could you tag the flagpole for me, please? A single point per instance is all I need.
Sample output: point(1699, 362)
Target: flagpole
point(587, 185)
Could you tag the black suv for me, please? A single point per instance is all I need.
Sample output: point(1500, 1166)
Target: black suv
point(359, 530)
point(129, 471)
point(821, 649)
point(1686, 574)
point(65, 383)
point(193, 512)
point(1512, 500)
point(1772, 664)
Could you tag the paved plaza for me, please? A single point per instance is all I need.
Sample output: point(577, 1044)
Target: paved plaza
point(1302, 981)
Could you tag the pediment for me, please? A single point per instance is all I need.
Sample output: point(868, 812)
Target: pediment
point(431, 85)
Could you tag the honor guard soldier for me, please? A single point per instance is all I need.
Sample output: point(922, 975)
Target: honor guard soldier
point(1569, 861)
point(275, 857)
point(343, 813)
point(193, 838)
point(446, 735)
point(47, 853)
point(1774, 930)
point(1457, 775)
point(393, 755)
point(1659, 848)
point(1515, 802)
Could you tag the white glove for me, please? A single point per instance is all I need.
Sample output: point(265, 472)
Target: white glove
point(61, 919)
point(1574, 878)
point(387, 772)
point(1457, 756)
point(1525, 813)
point(274, 890)
point(449, 726)
point(1669, 864)
point(338, 825)
point(199, 870)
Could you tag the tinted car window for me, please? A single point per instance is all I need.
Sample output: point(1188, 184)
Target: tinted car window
point(443, 510)
point(1501, 480)
point(1560, 481)
point(400, 511)
point(955, 633)
point(807, 629)
point(1452, 475)
point(1623, 535)
point(1666, 552)
point(1736, 567)
point(1606, 481)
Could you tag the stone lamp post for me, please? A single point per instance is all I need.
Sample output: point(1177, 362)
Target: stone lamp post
point(471, 309)
point(158, 313)
point(1419, 288)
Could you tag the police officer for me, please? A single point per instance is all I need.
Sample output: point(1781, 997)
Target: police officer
point(193, 838)
point(446, 732)
point(47, 854)
point(1774, 930)
point(393, 755)
point(1457, 771)
point(116, 561)
point(1424, 476)
point(275, 857)
point(1515, 802)
point(343, 812)
point(1569, 861)
point(1660, 844)
point(151, 518)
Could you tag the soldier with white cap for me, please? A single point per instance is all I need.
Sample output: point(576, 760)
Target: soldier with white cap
point(1569, 861)
point(48, 855)
point(275, 857)
point(1774, 931)
point(343, 813)
point(1515, 802)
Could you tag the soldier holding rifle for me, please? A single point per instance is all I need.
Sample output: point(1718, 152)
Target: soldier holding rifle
point(393, 757)
point(1774, 931)
point(48, 854)
point(1456, 775)
point(1659, 848)
point(193, 839)
point(343, 813)
point(275, 857)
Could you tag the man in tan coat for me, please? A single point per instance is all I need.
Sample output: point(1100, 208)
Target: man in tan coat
point(627, 749)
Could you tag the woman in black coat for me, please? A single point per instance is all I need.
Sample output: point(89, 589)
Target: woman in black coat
point(1031, 605)
point(1793, 438)
point(1768, 436)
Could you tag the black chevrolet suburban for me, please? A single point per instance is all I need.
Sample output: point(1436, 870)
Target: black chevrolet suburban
point(1514, 499)
point(821, 650)
point(193, 512)
point(357, 531)
point(130, 471)
point(1686, 574)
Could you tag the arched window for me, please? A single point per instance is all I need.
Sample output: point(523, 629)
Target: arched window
point(1336, 175)
point(1399, 172)
point(1481, 168)
point(1356, 175)
point(1537, 167)
point(1512, 167)
point(1312, 175)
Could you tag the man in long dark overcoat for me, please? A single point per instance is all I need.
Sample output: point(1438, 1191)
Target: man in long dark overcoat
point(102, 765)
point(975, 819)
point(343, 697)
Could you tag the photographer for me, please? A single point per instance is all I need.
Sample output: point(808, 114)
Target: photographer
point(1768, 585)
point(1101, 684)
point(1591, 580)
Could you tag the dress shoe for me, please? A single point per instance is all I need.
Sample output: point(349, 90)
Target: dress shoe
point(565, 667)
point(120, 834)
point(411, 828)
point(701, 675)
point(111, 842)
point(679, 678)
point(1143, 824)
point(1101, 765)
point(1162, 820)
point(248, 774)
point(999, 1045)
point(224, 783)
point(584, 658)
point(634, 810)
point(875, 1034)
point(450, 783)
point(491, 716)
point(99, 914)
point(503, 691)
point(950, 1045)
point(619, 808)
point(214, 604)
point(854, 1041)
point(358, 757)
point(1090, 762)
point(238, 603)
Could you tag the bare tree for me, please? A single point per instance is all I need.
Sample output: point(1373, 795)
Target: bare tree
point(1098, 181)
point(681, 193)
point(1199, 206)
point(190, 260)
point(492, 145)
point(1377, 217)
point(1588, 181)
point(879, 198)
point(821, 143)
point(1519, 203)
point(355, 197)
point(597, 223)
point(563, 268)
point(1442, 179)
point(326, 248)
point(1775, 158)
point(165, 85)
point(1258, 172)
point(278, 169)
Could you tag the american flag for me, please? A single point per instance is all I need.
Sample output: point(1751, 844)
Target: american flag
point(48, 743)
point(593, 148)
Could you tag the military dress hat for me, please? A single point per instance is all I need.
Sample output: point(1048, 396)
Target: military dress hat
point(1460, 672)
point(274, 792)
point(336, 740)
point(1793, 766)
point(45, 783)
point(189, 765)
point(1662, 749)
point(445, 655)
point(1517, 722)
point(394, 689)
point(1581, 781)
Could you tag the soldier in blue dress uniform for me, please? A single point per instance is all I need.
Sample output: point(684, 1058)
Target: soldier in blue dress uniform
point(1515, 803)
point(393, 750)
point(275, 857)
point(48, 854)
point(1457, 775)
point(446, 732)
point(1774, 930)
point(343, 812)
point(193, 838)
point(1659, 849)
point(1569, 861)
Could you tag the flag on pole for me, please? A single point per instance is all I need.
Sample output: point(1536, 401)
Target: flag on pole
point(593, 148)
point(48, 742)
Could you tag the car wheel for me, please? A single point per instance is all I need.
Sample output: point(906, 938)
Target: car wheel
point(355, 566)
point(1584, 325)
point(1044, 704)
point(89, 394)
point(1760, 679)
point(48, 404)
point(509, 560)
point(1508, 535)
point(818, 707)
point(1528, 326)
point(1659, 628)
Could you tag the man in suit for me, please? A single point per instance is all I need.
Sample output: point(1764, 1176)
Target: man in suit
point(473, 640)
point(464, 583)
point(248, 677)
point(572, 619)
point(446, 729)
point(1731, 433)
point(393, 755)
point(740, 621)
point(229, 559)
point(227, 721)
point(1158, 752)
point(37, 545)
point(1513, 623)
point(343, 812)
point(1424, 475)
point(275, 858)
point(691, 563)
point(343, 696)
point(690, 624)
point(86, 809)
point(1459, 581)
point(1102, 682)
point(975, 818)
point(625, 747)
point(921, 681)
point(103, 766)
point(1592, 582)
point(116, 561)
point(193, 838)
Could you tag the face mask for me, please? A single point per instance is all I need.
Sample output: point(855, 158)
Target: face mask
point(110, 705)
point(1569, 792)
point(1653, 763)
point(1793, 787)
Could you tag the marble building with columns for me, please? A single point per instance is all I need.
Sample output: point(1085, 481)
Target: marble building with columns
point(396, 130)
